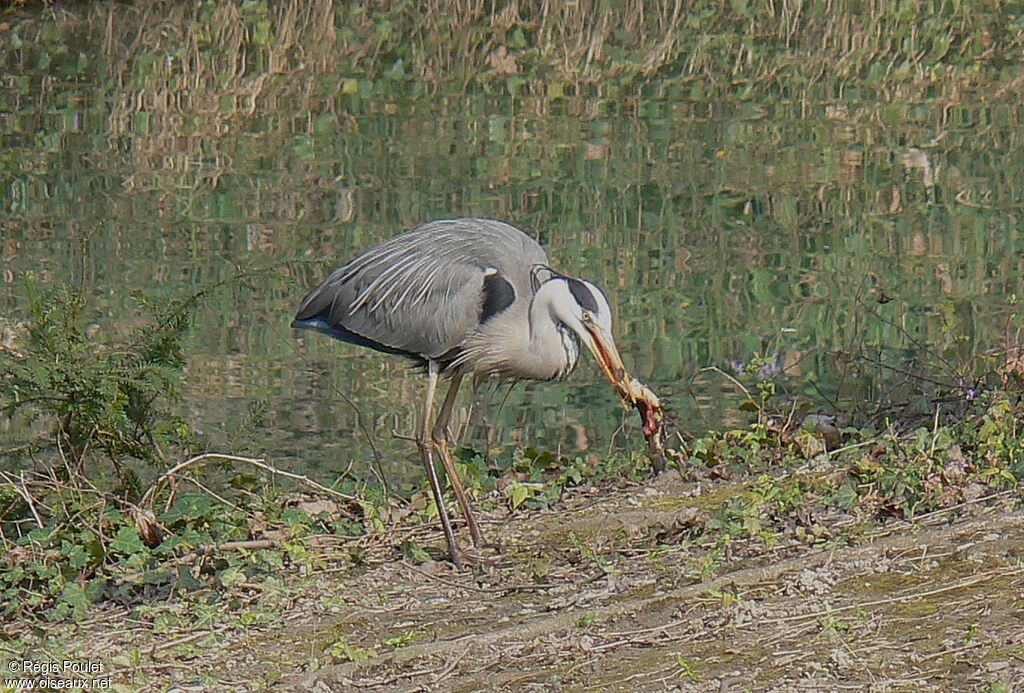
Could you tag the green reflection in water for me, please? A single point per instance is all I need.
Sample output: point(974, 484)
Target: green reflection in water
point(722, 226)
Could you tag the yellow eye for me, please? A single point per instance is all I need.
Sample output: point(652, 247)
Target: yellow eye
point(587, 317)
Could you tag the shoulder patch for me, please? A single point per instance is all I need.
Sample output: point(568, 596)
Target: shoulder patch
point(582, 294)
point(498, 295)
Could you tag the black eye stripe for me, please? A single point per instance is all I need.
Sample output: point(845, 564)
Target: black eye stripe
point(583, 295)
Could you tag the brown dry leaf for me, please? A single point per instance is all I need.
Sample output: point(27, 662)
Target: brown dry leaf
point(258, 525)
point(279, 534)
point(1013, 364)
point(315, 507)
point(398, 513)
point(508, 479)
point(18, 554)
point(685, 521)
point(503, 62)
point(810, 444)
point(148, 527)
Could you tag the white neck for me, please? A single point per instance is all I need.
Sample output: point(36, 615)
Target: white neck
point(503, 346)
point(554, 349)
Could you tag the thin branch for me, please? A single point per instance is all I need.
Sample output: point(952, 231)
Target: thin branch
point(23, 492)
point(737, 383)
point(147, 498)
point(378, 466)
point(213, 494)
point(207, 550)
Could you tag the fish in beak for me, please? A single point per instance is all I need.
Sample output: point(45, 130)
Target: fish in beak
point(631, 392)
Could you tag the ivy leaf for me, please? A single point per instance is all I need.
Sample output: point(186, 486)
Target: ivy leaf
point(518, 495)
point(127, 541)
point(232, 577)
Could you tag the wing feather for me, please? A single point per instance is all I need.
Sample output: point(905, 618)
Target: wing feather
point(422, 292)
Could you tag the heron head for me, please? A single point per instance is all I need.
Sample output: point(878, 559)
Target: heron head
point(583, 308)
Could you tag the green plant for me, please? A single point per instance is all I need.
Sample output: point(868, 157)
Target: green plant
point(400, 641)
point(350, 653)
point(112, 398)
point(686, 669)
point(586, 620)
point(518, 493)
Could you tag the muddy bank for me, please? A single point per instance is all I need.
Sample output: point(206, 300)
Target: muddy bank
point(590, 595)
point(612, 589)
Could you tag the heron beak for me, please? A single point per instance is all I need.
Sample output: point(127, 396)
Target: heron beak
point(607, 356)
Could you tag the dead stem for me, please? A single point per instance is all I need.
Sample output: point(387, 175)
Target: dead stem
point(22, 490)
point(148, 496)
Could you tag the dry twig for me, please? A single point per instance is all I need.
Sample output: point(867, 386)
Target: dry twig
point(22, 490)
point(147, 498)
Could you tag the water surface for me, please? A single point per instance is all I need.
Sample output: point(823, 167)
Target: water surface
point(825, 234)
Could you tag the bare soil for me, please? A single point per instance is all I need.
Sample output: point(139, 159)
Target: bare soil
point(603, 593)
point(595, 595)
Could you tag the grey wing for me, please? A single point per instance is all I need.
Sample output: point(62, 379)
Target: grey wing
point(423, 292)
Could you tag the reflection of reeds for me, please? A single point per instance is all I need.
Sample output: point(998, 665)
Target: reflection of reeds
point(293, 116)
point(227, 47)
point(187, 75)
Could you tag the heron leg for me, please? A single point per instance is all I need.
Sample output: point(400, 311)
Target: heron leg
point(425, 444)
point(440, 436)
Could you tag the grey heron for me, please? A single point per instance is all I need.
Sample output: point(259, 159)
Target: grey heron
point(466, 296)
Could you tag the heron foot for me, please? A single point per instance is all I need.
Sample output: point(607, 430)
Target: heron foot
point(479, 556)
point(474, 532)
point(459, 559)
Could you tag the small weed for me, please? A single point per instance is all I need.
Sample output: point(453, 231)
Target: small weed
point(400, 641)
point(518, 493)
point(726, 598)
point(344, 652)
point(998, 687)
point(412, 551)
point(586, 620)
point(712, 560)
point(539, 570)
point(111, 401)
point(834, 626)
point(686, 669)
